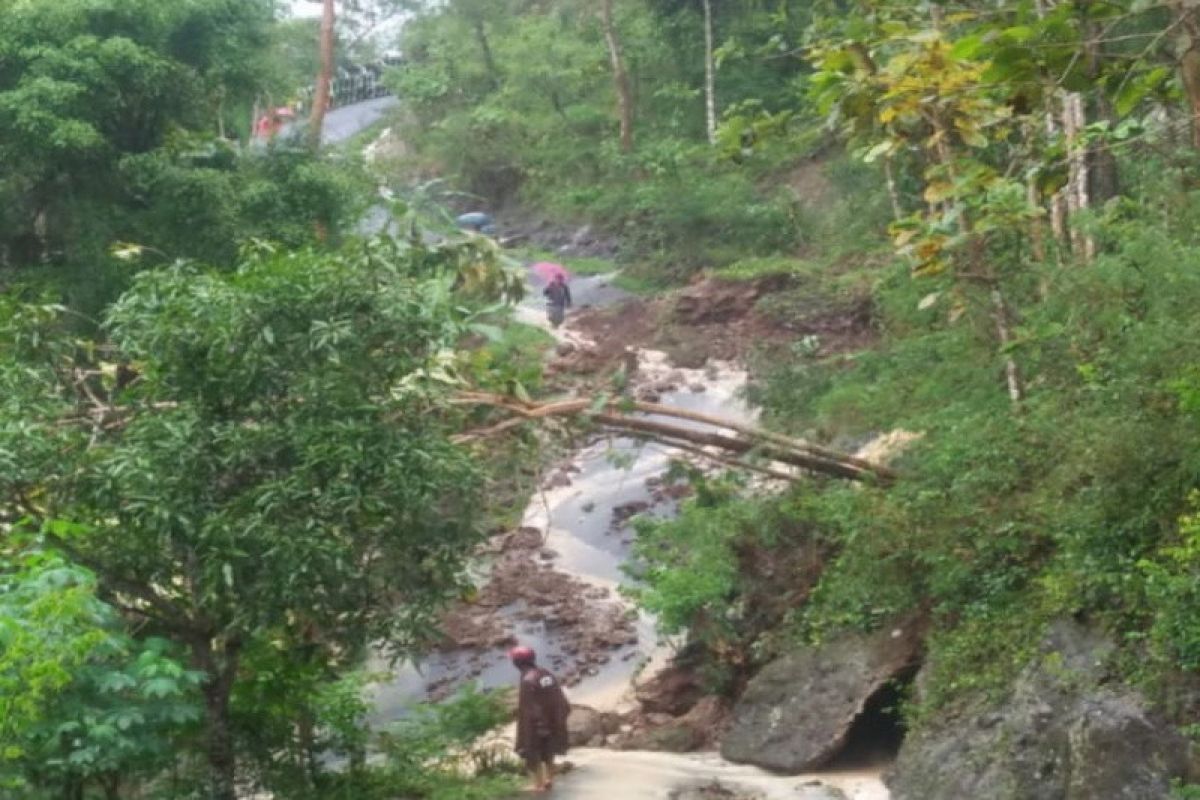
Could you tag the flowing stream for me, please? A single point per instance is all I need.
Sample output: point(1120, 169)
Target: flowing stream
point(580, 513)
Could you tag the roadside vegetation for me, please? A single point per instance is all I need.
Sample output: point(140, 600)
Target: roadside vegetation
point(228, 464)
point(1011, 188)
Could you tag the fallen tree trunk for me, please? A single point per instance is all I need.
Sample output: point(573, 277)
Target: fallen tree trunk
point(748, 441)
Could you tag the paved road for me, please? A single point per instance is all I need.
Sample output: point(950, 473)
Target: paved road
point(343, 123)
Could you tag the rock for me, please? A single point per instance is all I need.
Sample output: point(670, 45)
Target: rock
point(796, 714)
point(587, 727)
point(558, 480)
point(588, 507)
point(564, 349)
point(673, 691)
point(1060, 735)
point(626, 511)
point(696, 730)
point(712, 791)
point(583, 237)
point(812, 790)
point(647, 394)
point(710, 301)
point(665, 739)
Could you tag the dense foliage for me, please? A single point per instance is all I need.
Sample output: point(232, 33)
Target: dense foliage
point(128, 121)
point(227, 458)
point(515, 100)
point(322, 507)
point(1036, 333)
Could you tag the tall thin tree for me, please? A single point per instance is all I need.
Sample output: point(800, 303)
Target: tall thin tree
point(620, 76)
point(1187, 21)
point(321, 95)
point(710, 75)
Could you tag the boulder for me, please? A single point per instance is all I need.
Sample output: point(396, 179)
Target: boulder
point(693, 731)
point(1060, 735)
point(796, 714)
point(673, 691)
point(587, 727)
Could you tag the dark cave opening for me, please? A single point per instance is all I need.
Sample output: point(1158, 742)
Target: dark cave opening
point(877, 732)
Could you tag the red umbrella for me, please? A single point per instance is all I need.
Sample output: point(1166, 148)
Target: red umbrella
point(547, 270)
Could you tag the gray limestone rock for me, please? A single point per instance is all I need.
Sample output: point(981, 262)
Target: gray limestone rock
point(796, 714)
point(1061, 735)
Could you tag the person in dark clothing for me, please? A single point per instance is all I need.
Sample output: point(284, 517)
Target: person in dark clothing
point(558, 299)
point(542, 711)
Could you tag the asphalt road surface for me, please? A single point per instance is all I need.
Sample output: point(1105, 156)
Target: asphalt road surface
point(343, 123)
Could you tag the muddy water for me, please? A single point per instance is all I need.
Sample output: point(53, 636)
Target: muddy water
point(575, 513)
point(625, 775)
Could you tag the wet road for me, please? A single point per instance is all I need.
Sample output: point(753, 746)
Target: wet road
point(343, 123)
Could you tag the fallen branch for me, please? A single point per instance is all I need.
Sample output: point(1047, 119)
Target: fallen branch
point(750, 440)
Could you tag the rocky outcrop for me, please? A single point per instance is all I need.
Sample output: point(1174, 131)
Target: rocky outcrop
point(1060, 735)
point(699, 728)
point(673, 691)
point(796, 714)
point(587, 727)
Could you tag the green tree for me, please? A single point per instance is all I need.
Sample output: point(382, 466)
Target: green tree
point(277, 468)
point(85, 705)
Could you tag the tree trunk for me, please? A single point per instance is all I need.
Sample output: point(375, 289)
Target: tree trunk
point(893, 191)
point(1058, 211)
point(316, 123)
point(620, 76)
point(1012, 376)
point(1037, 236)
point(710, 76)
point(221, 668)
point(485, 50)
point(1103, 175)
point(1074, 122)
point(1187, 16)
point(221, 112)
point(768, 444)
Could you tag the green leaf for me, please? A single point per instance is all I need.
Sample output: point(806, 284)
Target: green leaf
point(490, 332)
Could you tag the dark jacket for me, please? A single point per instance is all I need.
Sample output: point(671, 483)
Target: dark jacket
point(558, 294)
point(542, 711)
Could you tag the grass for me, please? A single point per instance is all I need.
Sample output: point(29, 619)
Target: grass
point(637, 284)
point(750, 269)
point(576, 265)
point(520, 342)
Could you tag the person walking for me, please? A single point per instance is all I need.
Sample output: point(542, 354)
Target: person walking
point(542, 711)
point(558, 299)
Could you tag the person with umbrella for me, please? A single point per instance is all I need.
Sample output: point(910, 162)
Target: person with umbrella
point(557, 293)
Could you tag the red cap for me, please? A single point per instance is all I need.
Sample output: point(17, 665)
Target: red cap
point(522, 655)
